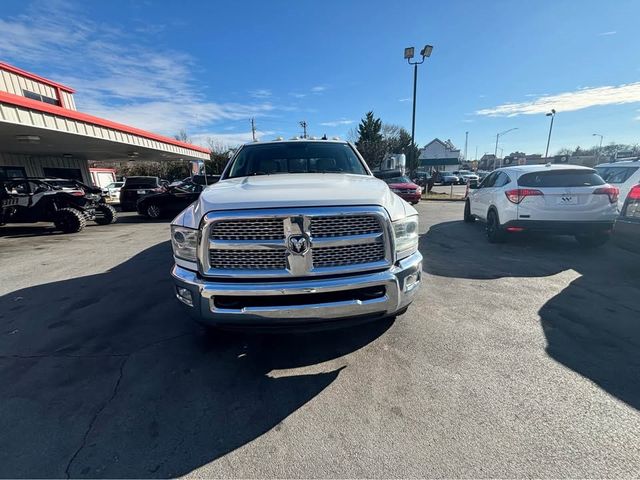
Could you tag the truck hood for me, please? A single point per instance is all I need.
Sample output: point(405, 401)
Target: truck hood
point(299, 190)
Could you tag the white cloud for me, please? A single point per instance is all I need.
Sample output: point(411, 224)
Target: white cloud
point(318, 89)
point(606, 34)
point(337, 123)
point(569, 101)
point(404, 99)
point(298, 95)
point(229, 139)
point(116, 74)
point(260, 93)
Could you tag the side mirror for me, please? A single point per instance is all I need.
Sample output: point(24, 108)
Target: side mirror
point(474, 185)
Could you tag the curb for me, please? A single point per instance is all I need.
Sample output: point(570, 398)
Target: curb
point(443, 199)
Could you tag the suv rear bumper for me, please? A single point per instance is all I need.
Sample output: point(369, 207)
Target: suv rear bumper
point(284, 303)
point(559, 227)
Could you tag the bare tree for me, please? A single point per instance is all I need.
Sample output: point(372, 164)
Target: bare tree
point(182, 136)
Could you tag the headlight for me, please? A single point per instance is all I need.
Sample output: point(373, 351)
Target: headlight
point(184, 242)
point(406, 234)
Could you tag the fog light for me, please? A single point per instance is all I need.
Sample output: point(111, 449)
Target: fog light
point(411, 281)
point(184, 295)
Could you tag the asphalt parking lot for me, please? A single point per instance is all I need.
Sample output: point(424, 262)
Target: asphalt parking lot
point(516, 360)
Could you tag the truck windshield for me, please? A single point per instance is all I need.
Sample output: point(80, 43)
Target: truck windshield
point(295, 157)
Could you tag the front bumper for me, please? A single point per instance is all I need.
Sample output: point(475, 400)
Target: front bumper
point(399, 284)
point(410, 197)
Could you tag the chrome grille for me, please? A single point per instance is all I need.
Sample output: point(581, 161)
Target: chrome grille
point(249, 229)
point(255, 243)
point(347, 255)
point(248, 259)
point(344, 226)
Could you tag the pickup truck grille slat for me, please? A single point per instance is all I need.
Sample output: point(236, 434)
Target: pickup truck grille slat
point(347, 255)
point(337, 226)
point(250, 229)
point(248, 259)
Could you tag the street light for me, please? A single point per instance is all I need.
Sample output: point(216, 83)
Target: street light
point(600, 147)
point(498, 135)
point(551, 114)
point(409, 53)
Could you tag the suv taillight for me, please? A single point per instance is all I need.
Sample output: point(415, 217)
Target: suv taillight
point(612, 192)
point(519, 194)
point(634, 193)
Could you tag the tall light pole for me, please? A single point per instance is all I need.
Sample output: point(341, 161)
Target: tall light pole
point(498, 135)
point(600, 147)
point(409, 54)
point(551, 114)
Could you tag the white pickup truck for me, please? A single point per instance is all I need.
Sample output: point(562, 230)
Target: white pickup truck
point(296, 232)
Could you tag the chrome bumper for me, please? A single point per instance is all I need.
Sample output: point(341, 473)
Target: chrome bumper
point(401, 283)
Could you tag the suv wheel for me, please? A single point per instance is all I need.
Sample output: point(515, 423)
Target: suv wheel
point(594, 240)
point(468, 218)
point(106, 214)
point(494, 231)
point(70, 220)
point(153, 211)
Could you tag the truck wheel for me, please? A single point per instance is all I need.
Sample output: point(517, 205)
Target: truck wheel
point(468, 218)
point(593, 241)
point(70, 220)
point(106, 214)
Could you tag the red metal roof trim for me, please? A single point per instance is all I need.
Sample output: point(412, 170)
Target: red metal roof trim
point(83, 117)
point(33, 76)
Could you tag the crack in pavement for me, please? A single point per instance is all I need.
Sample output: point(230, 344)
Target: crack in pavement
point(114, 392)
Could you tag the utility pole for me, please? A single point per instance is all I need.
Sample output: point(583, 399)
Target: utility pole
point(303, 124)
point(466, 141)
point(253, 128)
point(476, 153)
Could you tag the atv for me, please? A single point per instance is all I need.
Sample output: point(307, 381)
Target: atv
point(30, 200)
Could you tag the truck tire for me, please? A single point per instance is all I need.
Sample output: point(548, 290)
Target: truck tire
point(70, 220)
point(106, 214)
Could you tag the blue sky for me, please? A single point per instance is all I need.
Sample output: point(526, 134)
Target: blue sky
point(208, 67)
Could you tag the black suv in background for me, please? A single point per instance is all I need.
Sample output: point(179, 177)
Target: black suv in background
point(135, 188)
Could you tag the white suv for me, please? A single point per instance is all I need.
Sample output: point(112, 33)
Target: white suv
point(558, 199)
point(624, 175)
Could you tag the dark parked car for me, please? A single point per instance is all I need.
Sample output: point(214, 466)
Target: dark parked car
point(626, 232)
point(169, 202)
point(135, 188)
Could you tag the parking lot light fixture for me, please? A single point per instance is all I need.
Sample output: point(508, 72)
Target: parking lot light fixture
point(551, 114)
point(498, 135)
point(408, 55)
point(600, 146)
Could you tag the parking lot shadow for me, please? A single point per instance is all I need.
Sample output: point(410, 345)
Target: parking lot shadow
point(592, 326)
point(102, 376)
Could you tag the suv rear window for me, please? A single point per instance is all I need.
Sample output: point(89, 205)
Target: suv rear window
point(616, 174)
point(139, 182)
point(561, 178)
